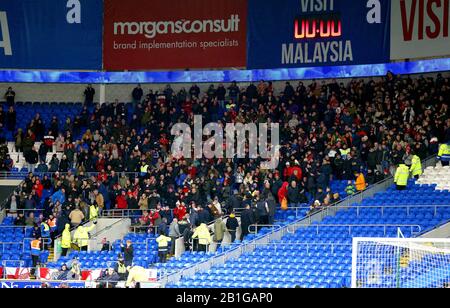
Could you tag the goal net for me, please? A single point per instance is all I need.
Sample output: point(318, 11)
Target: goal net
point(400, 263)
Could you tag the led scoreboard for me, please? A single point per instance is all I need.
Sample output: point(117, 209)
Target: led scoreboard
point(318, 26)
point(299, 33)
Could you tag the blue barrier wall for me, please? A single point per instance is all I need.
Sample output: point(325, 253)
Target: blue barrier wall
point(416, 67)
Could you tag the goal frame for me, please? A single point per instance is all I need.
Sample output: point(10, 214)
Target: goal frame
point(357, 240)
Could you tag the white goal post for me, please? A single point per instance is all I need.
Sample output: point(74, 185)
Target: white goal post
point(400, 263)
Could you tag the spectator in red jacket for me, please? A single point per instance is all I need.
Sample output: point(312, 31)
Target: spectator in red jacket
point(180, 211)
point(293, 171)
point(100, 164)
point(38, 187)
point(102, 176)
point(282, 192)
point(155, 218)
point(145, 218)
point(121, 201)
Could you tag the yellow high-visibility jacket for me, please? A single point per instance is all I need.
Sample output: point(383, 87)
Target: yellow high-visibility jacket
point(81, 236)
point(203, 235)
point(401, 175)
point(416, 166)
point(66, 239)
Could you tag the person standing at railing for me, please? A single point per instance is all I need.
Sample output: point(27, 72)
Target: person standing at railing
point(31, 158)
point(99, 200)
point(35, 253)
point(163, 225)
point(163, 246)
point(45, 234)
point(52, 222)
point(283, 195)
point(444, 154)
point(121, 269)
point(81, 236)
point(247, 219)
point(272, 206)
point(219, 232)
point(416, 167)
point(66, 240)
point(128, 252)
point(232, 225)
point(401, 177)
point(180, 210)
point(203, 236)
point(76, 217)
point(174, 234)
point(93, 212)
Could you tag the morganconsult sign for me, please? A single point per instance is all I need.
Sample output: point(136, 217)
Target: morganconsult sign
point(174, 34)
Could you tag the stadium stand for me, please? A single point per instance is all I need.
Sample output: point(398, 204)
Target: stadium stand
point(319, 256)
point(336, 140)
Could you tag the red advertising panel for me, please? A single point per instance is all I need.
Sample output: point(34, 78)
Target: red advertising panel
point(174, 34)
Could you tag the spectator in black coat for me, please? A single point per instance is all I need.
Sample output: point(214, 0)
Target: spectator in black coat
point(293, 194)
point(232, 226)
point(247, 219)
point(137, 94)
point(89, 93)
point(233, 202)
point(43, 150)
point(263, 212)
point(20, 220)
point(10, 96)
point(272, 205)
point(276, 185)
point(128, 253)
point(204, 216)
point(31, 158)
point(11, 119)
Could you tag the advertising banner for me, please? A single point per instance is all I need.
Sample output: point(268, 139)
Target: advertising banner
point(300, 33)
point(51, 34)
point(174, 34)
point(420, 28)
point(34, 284)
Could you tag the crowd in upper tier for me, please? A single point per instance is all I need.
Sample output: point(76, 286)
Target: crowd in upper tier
point(328, 131)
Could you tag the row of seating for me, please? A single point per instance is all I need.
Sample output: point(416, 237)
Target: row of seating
point(319, 256)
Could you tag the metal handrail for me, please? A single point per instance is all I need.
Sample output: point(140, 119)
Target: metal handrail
point(384, 207)
point(107, 228)
point(262, 226)
point(16, 227)
point(155, 229)
point(47, 241)
point(208, 246)
point(11, 243)
point(350, 226)
point(301, 244)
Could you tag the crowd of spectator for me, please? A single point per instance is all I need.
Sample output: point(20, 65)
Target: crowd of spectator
point(357, 131)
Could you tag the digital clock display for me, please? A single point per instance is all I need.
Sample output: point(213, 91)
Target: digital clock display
point(317, 26)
